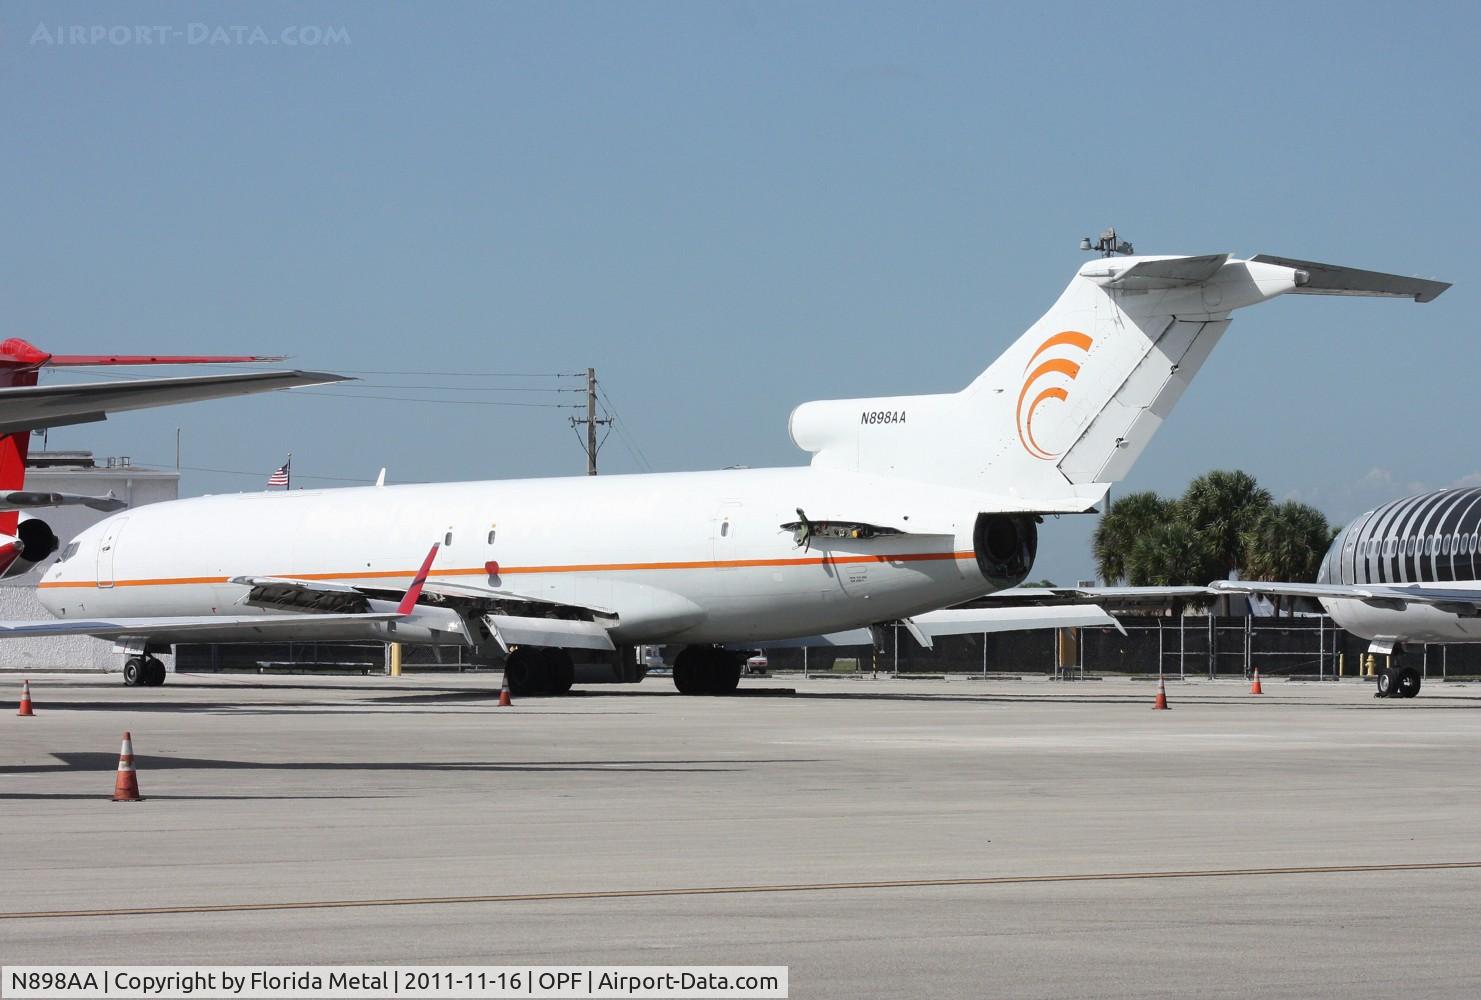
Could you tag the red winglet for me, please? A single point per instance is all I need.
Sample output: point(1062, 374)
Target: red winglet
point(415, 590)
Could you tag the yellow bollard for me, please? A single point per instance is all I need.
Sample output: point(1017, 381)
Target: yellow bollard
point(395, 659)
point(1341, 662)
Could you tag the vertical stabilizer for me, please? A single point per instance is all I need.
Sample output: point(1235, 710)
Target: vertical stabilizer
point(1070, 406)
point(20, 365)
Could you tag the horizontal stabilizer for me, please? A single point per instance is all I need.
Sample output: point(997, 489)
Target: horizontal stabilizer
point(1169, 272)
point(34, 407)
point(34, 500)
point(970, 621)
point(1332, 279)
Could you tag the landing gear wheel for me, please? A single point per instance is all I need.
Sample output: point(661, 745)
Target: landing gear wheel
point(535, 671)
point(1407, 685)
point(133, 671)
point(706, 670)
point(686, 675)
point(522, 671)
point(1388, 683)
point(725, 675)
point(560, 672)
point(154, 671)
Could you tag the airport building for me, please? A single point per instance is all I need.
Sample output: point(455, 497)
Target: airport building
point(73, 472)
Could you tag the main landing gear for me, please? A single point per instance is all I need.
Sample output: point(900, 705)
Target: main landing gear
point(145, 670)
point(707, 670)
point(538, 670)
point(1397, 681)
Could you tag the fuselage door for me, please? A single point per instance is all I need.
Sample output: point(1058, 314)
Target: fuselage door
point(107, 549)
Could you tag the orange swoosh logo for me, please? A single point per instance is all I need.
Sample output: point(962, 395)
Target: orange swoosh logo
point(1054, 369)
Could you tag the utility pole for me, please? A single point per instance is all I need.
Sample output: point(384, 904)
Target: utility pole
point(591, 421)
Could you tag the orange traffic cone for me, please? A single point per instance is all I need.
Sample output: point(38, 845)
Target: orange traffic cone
point(1255, 684)
point(25, 699)
point(504, 700)
point(1161, 701)
point(126, 786)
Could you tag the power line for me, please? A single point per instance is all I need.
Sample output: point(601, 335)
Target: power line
point(467, 388)
point(447, 402)
point(621, 426)
point(106, 371)
point(416, 371)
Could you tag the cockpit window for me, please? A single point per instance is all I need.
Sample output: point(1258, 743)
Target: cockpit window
point(68, 552)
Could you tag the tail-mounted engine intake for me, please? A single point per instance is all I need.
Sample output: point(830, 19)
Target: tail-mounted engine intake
point(34, 541)
point(1005, 545)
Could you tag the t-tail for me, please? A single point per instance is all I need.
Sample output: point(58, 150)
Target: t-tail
point(1069, 407)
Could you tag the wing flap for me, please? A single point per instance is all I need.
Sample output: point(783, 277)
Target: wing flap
point(517, 630)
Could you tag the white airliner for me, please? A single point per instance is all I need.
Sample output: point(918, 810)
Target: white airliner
point(910, 504)
point(1406, 572)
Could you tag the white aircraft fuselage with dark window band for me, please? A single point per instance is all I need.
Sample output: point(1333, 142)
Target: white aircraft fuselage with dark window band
point(1433, 539)
point(1406, 572)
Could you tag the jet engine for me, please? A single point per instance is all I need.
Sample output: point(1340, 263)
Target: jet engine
point(33, 541)
point(1005, 546)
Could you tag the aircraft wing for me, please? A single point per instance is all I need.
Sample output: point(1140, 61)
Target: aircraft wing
point(849, 637)
point(249, 626)
point(33, 500)
point(1466, 603)
point(25, 408)
point(562, 625)
point(1118, 597)
point(963, 621)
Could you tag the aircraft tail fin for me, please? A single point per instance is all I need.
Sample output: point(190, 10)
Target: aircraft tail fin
point(1070, 406)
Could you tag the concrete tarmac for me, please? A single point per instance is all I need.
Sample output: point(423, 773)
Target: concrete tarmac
point(292, 790)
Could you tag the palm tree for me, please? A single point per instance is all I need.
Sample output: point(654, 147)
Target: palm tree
point(1133, 517)
point(1172, 554)
point(1223, 506)
point(1286, 542)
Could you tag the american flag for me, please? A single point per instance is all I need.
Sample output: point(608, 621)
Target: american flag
point(281, 475)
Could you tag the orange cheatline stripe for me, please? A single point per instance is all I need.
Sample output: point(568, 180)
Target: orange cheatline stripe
point(901, 557)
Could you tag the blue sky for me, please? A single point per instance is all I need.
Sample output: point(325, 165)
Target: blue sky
point(729, 209)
